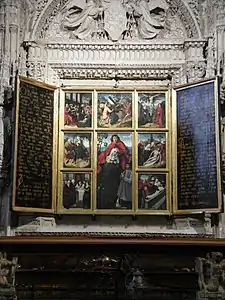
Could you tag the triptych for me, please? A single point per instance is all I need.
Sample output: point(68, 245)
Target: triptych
point(123, 151)
point(113, 152)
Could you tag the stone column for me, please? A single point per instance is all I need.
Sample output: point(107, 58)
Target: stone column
point(195, 62)
point(220, 37)
point(9, 41)
point(211, 59)
point(220, 69)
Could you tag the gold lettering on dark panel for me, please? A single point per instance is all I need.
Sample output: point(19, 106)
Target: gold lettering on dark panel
point(34, 147)
point(197, 149)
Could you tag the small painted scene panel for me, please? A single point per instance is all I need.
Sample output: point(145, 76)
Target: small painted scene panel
point(77, 190)
point(152, 191)
point(77, 150)
point(115, 110)
point(114, 171)
point(151, 110)
point(152, 150)
point(78, 110)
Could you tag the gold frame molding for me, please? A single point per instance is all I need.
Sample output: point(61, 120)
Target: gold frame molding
point(134, 130)
point(170, 132)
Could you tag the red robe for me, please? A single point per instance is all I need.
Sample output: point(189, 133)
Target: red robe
point(123, 153)
point(67, 117)
point(159, 116)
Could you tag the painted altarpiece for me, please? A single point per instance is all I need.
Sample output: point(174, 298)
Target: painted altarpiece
point(115, 151)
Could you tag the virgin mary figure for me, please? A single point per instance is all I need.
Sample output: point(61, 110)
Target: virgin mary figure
point(111, 163)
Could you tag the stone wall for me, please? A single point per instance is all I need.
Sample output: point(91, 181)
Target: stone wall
point(41, 39)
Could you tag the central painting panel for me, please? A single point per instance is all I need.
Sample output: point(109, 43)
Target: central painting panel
point(114, 170)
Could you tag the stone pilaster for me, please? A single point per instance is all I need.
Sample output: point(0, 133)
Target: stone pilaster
point(211, 58)
point(195, 65)
point(36, 61)
point(9, 50)
point(220, 69)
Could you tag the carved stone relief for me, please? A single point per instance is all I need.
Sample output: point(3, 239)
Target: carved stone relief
point(173, 28)
point(113, 20)
point(144, 19)
point(100, 28)
point(210, 276)
point(104, 61)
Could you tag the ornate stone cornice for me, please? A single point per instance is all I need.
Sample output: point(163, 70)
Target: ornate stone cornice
point(194, 44)
point(107, 56)
point(53, 7)
point(115, 234)
point(66, 71)
point(111, 46)
point(220, 27)
point(118, 67)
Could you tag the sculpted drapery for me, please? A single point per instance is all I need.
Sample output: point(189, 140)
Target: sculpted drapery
point(83, 23)
point(86, 19)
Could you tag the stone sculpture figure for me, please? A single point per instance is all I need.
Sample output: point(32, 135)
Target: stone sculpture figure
point(211, 276)
point(114, 19)
point(150, 17)
point(81, 18)
point(7, 277)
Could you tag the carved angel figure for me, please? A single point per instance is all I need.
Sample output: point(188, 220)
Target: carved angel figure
point(150, 17)
point(81, 18)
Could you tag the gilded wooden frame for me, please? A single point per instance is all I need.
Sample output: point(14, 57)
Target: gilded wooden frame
point(167, 171)
point(149, 211)
point(73, 210)
point(133, 131)
point(176, 210)
point(73, 170)
point(171, 149)
point(54, 150)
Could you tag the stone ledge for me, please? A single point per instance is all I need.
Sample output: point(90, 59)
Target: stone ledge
point(114, 234)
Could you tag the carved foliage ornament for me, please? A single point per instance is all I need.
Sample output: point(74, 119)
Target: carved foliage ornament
point(106, 19)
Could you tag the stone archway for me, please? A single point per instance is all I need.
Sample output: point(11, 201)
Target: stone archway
point(58, 55)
